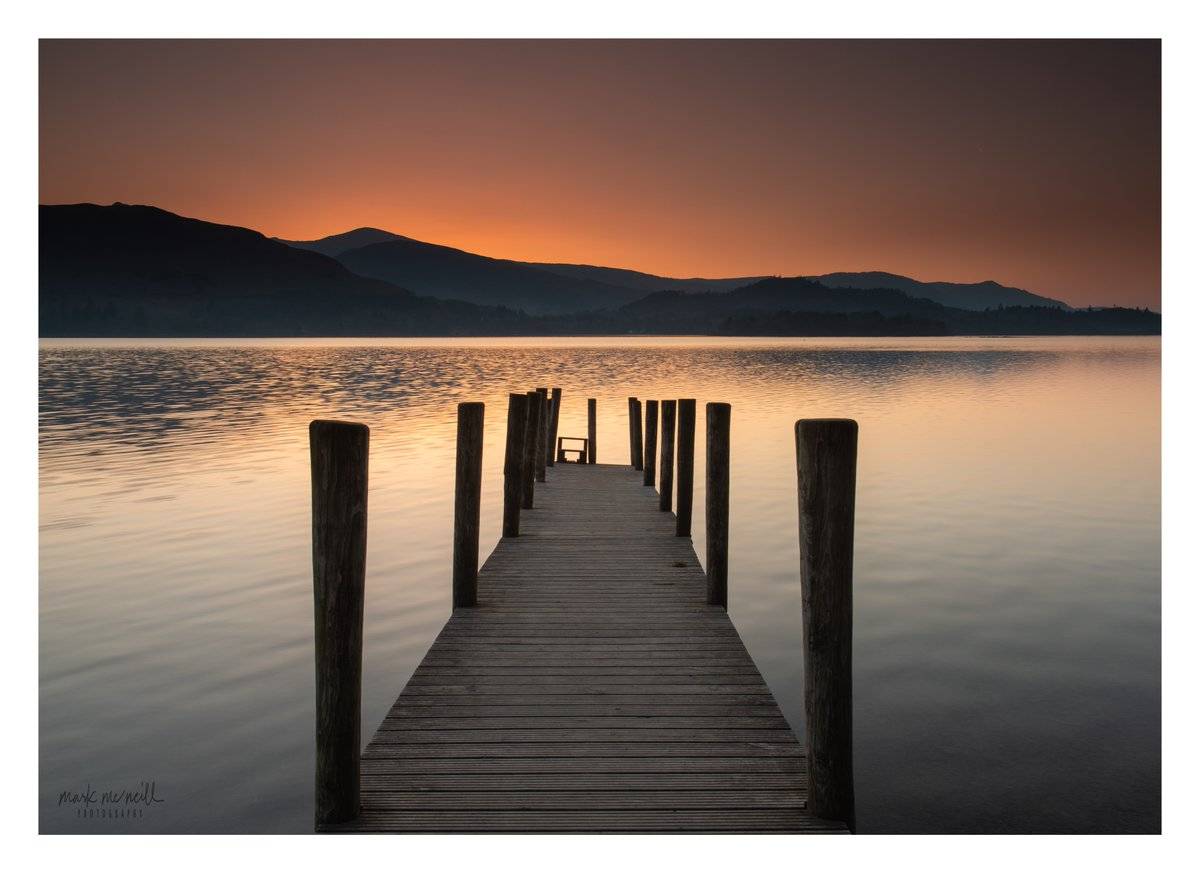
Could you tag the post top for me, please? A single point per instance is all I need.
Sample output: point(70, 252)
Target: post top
point(845, 425)
point(333, 424)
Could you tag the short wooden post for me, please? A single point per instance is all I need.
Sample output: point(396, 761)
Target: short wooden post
point(635, 433)
point(468, 481)
point(514, 464)
point(552, 441)
point(338, 454)
point(685, 460)
point(591, 454)
point(826, 457)
point(532, 414)
point(716, 504)
point(542, 434)
point(651, 447)
point(666, 469)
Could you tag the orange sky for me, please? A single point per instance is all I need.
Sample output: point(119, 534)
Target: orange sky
point(1036, 164)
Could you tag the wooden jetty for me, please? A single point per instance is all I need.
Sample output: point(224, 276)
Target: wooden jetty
point(589, 679)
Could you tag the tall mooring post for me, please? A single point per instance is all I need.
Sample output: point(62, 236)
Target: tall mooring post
point(591, 448)
point(543, 434)
point(533, 408)
point(716, 504)
point(552, 435)
point(468, 483)
point(635, 433)
point(338, 452)
point(666, 470)
point(514, 463)
point(826, 458)
point(685, 461)
point(651, 447)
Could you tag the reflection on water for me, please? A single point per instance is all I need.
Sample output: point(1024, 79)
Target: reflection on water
point(1007, 563)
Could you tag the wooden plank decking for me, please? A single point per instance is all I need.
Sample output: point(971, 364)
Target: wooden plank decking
point(591, 690)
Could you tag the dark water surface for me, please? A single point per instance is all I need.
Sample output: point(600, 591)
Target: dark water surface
point(1007, 599)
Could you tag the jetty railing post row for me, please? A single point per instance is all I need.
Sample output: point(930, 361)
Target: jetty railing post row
point(666, 471)
point(338, 454)
point(552, 437)
point(685, 460)
point(591, 424)
point(543, 433)
point(468, 483)
point(529, 453)
point(826, 458)
point(716, 504)
point(514, 464)
point(651, 448)
point(635, 433)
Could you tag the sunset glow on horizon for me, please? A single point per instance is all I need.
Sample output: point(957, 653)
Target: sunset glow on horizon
point(1031, 163)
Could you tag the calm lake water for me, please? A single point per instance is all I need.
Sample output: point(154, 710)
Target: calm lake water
point(1007, 587)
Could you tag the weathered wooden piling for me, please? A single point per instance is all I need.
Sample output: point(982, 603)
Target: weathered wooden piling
point(716, 504)
point(468, 481)
point(635, 433)
point(533, 407)
point(514, 463)
point(650, 455)
point(685, 461)
point(666, 470)
point(826, 457)
point(543, 434)
point(338, 453)
point(552, 437)
point(591, 453)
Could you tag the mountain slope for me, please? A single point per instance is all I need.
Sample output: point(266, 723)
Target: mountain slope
point(553, 288)
point(441, 271)
point(961, 295)
point(141, 271)
point(343, 242)
point(647, 282)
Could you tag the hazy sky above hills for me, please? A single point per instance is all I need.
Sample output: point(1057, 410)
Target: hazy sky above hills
point(1033, 163)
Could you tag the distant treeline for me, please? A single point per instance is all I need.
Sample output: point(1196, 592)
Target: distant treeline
point(1040, 320)
point(249, 317)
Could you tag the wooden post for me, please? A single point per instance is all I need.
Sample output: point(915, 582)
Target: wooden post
point(635, 433)
point(685, 458)
point(338, 453)
point(716, 504)
point(529, 457)
point(666, 470)
point(542, 434)
point(591, 456)
point(651, 447)
point(468, 480)
point(826, 456)
point(514, 464)
point(555, 400)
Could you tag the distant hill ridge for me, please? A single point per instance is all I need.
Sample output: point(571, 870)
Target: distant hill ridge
point(979, 295)
point(142, 271)
point(443, 271)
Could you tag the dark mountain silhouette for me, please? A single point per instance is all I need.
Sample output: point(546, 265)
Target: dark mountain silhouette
point(141, 271)
point(343, 242)
point(646, 282)
point(775, 295)
point(961, 295)
point(802, 307)
point(441, 271)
